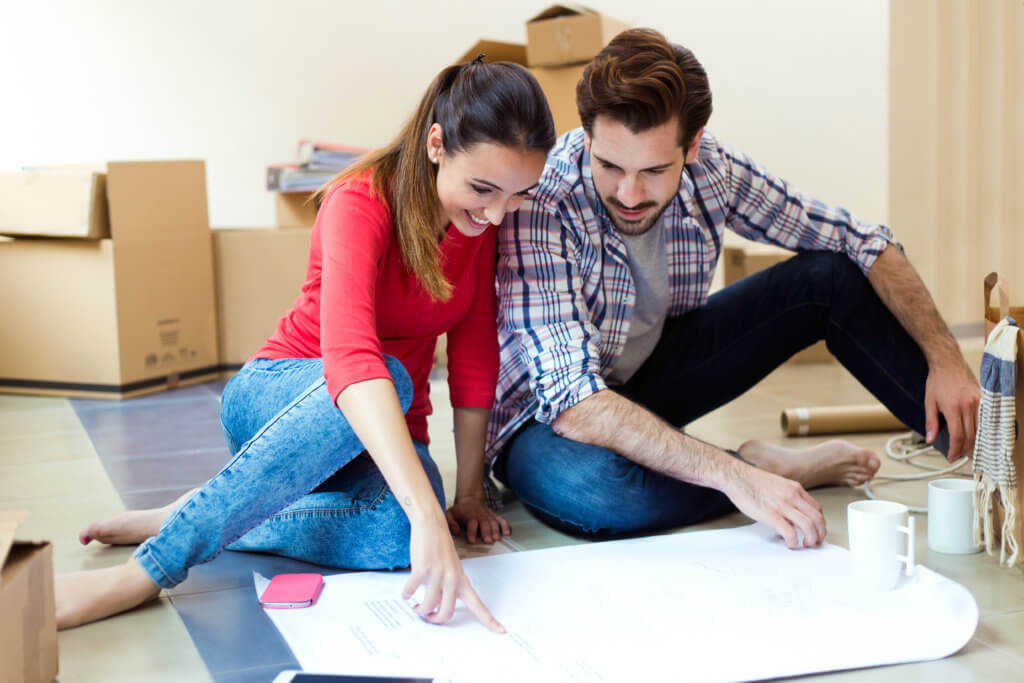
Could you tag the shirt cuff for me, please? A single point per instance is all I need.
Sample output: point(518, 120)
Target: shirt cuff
point(871, 248)
point(586, 386)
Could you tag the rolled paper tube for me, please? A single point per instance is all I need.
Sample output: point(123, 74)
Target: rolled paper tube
point(839, 420)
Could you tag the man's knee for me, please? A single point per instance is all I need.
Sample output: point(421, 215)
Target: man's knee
point(829, 267)
point(578, 488)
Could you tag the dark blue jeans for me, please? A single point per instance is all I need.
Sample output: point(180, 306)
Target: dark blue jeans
point(705, 359)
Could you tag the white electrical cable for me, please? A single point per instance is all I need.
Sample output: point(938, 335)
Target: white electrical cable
point(906, 447)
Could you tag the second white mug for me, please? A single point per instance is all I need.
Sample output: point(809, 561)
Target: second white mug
point(951, 516)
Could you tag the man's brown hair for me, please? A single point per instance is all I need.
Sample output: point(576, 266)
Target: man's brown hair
point(641, 80)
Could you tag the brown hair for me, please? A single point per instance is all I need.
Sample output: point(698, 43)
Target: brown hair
point(478, 102)
point(641, 80)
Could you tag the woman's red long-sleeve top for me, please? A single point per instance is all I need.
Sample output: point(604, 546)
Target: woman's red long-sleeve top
point(359, 302)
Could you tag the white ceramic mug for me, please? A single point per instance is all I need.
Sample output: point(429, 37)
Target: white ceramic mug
point(876, 529)
point(951, 516)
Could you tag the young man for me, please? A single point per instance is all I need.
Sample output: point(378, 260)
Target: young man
point(610, 342)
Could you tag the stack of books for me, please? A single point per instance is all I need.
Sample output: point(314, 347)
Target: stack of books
point(317, 163)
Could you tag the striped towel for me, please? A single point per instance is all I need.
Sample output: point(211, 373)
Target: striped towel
point(995, 443)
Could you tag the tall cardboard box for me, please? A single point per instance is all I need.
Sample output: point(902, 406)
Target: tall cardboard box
point(28, 620)
point(28, 206)
point(558, 84)
point(568, 34)
point(741, 257)
point(294, 209)
point(121, 316)
point(260, 273)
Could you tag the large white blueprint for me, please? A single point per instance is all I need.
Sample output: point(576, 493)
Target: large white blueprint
point(722, 605)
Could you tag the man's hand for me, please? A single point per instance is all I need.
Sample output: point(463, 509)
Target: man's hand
point(781, 503)
point(953, 391)
point(951, 388)
point(473, 515)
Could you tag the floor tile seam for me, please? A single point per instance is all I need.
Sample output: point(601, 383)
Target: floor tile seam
point(163, 454)
point(289, 664)
point(161, 407)
point(146, 430)
point(181, 395)
point(158, 489)
point(23, 467)
point(1003, 612)
point(27, 461)
point(712, 420)
point(999, 649)
point(174, 593)
point(70, 431)
point(38, 409)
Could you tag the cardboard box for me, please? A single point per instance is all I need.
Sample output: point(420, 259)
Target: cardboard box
point(558, 84)
point(28, 619)
point(741, 257)
point(294, 209)
point(70, 202)
point(122, 316)
point(260, 273)
point(568, 34)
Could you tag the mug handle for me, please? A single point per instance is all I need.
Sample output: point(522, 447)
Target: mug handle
point(908, 559)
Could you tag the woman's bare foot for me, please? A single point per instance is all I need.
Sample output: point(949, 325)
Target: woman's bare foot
point(833, 463)
point(95, 594)
point(130, 527)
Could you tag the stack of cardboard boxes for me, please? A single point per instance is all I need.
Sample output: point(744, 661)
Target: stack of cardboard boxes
point(106, 279)
point(559, 42)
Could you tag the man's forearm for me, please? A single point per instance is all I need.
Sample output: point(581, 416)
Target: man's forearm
point(903, 293)
point(611, 421)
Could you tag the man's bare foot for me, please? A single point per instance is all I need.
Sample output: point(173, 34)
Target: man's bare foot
point(130, 527)
point(95, 594)
point(833, 463)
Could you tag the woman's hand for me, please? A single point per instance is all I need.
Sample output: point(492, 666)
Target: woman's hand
point(436, 566)
point(472, 514)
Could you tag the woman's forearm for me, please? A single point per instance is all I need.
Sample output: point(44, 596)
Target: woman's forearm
point(375, 415)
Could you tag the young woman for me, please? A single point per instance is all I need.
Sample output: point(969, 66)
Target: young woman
point(327, 423)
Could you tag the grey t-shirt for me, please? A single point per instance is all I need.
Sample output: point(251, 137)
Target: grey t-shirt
point(649, 267)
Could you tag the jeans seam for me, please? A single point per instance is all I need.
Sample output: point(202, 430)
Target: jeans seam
point(167, 577)
point(356, 509)
point(580, 527)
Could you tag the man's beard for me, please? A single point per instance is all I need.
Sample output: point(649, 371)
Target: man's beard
point(634, 228)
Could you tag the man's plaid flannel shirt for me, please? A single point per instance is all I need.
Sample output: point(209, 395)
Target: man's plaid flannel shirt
point(565, 293)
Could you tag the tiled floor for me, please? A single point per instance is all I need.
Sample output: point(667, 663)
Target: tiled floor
point(68, 462)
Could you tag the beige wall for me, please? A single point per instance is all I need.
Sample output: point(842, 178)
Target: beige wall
point(957, 140)
point(799, 84)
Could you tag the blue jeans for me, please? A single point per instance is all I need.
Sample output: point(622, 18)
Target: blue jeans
point(300, 483)
point(703, 360)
